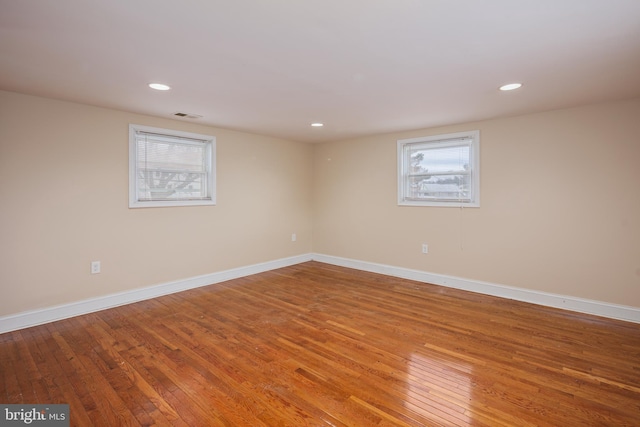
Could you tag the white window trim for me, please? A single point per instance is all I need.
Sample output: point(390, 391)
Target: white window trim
point(133, 182)
point(474, 164)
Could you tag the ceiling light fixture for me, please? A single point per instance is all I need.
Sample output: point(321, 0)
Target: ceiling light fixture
point(511, 86)
point(317, 125)
point(158, 86)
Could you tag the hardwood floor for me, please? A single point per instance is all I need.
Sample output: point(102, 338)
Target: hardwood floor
point(315, 345)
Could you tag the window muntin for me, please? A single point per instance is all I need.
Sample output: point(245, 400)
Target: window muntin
point(170, 168)
point(440, 170)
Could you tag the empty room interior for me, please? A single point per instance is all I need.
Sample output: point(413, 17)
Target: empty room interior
point(323, 213)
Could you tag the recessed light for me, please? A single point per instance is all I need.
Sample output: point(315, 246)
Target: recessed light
point(317, 125)
point(158, 86)
point(511, 86)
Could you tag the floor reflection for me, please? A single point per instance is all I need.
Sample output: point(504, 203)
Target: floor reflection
point(439, 389)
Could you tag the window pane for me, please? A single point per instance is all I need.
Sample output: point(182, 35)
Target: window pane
point(439, 159)
point(439, 187)
point(439, 170)
point(171, 169)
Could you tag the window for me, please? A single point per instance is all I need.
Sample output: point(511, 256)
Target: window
point(442, 170)
point(170, 168)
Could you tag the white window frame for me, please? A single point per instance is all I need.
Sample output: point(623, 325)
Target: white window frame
point(210, 153)
point(471, 139)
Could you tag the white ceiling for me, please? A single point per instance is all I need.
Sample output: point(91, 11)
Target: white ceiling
point(360, 66)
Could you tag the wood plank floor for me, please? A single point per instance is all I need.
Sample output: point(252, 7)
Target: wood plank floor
point(320, 345)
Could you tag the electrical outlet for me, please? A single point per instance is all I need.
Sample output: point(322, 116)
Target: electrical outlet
point(95, 267)
point(293, 237)
point(425, 248)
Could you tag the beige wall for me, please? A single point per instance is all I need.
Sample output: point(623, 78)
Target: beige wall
point(560, 205)
point(64, 203)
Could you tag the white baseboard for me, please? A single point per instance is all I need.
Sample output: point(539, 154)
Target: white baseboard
point(51, 314)
point(598, 308)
